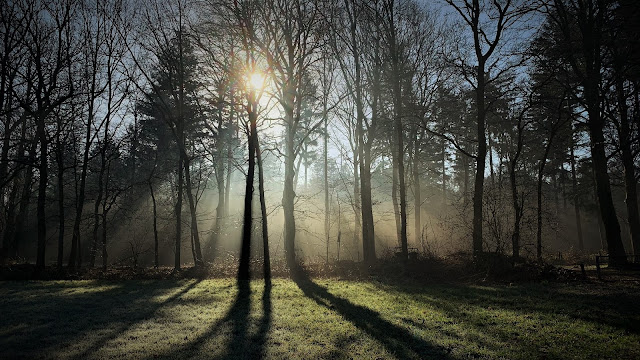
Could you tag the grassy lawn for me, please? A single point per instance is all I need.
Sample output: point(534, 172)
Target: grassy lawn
point(316, 319)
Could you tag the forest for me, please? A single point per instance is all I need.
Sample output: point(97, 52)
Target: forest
point(142, 132)
point(306, 179)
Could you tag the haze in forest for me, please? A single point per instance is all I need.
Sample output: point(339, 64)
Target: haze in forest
point(191, 132)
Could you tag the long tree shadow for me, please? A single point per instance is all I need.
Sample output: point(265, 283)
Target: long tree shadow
point(240, 344)
point(260, 338)
point(150, 310)
point(53, 316)
point(238, 316)
point(397, 340)
point(617, 309)
point(499, 318)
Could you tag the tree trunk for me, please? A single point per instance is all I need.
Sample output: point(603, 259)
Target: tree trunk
point(288, 197)
point(306, 172)
point(42, 191)
point(368, 235)
point(417, 199)
point(227, 185)
point(465, 177)
point(444, 172)
point(156, 261)
point(194, 216)
point(326, 176)
point(601, 231)
point(25, 200)
point(60, 161)
point(603, 187)
point(394, 200)
point(263, 211)
point(517, 209)
point(11, 229)
point(481, 156)
point(630, 183)
point(515, 237)
point(227, 190)
point(588, 65)
point(397, 110)
point(245, 250)
point(297, 173)
point(576, 197)
point(220, 209)
point(105, 210)
point(75, 238)
point(178, 212)
point(357, 207)
point(96, 210)
point(220, 177)
point(364, 148)
point(491, 171)
point(104, 238)
point(541, 167)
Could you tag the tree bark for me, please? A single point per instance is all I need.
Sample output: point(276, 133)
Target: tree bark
point(417, 197)
point(517, 208)
point(481, 156)
point(156, 262)
point(576, 197)
point(245, 250)
point(263, 211)
point(357, 207)
point(465, 177)
point(104, 239)
point(444, 171)
point(605, 199)
point(42, 191)
point(194, 216)
point(515, 237)
point(25, 200)
point(394, 200)
point(397, 110)
point(61, 224)
point(75, 238)
point(326, 175)
point(96, 209)
point(220, 176)
point(288, 196)
point(630, 183)
point(543, 163)
point(178, 213)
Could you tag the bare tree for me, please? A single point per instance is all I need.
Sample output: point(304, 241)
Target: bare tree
point(486, 22)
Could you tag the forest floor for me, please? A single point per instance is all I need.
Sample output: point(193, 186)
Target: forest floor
point(318, 318)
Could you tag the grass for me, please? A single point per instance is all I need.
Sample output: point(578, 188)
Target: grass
point(324, 318)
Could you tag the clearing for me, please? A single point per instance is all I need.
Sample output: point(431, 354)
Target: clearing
point(320, 318)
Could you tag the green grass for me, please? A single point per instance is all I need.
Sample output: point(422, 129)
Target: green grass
point(316, 319)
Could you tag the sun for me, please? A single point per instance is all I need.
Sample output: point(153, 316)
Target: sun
point(256, 81)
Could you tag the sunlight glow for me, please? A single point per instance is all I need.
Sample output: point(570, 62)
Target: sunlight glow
point(256, 81)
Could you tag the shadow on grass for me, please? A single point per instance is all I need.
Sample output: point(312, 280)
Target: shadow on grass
point(240, 341)
point(241, 344)
point(149, 310)
point(398, 341)
point(615, 308)
point(47, 318)
point(530, 320)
